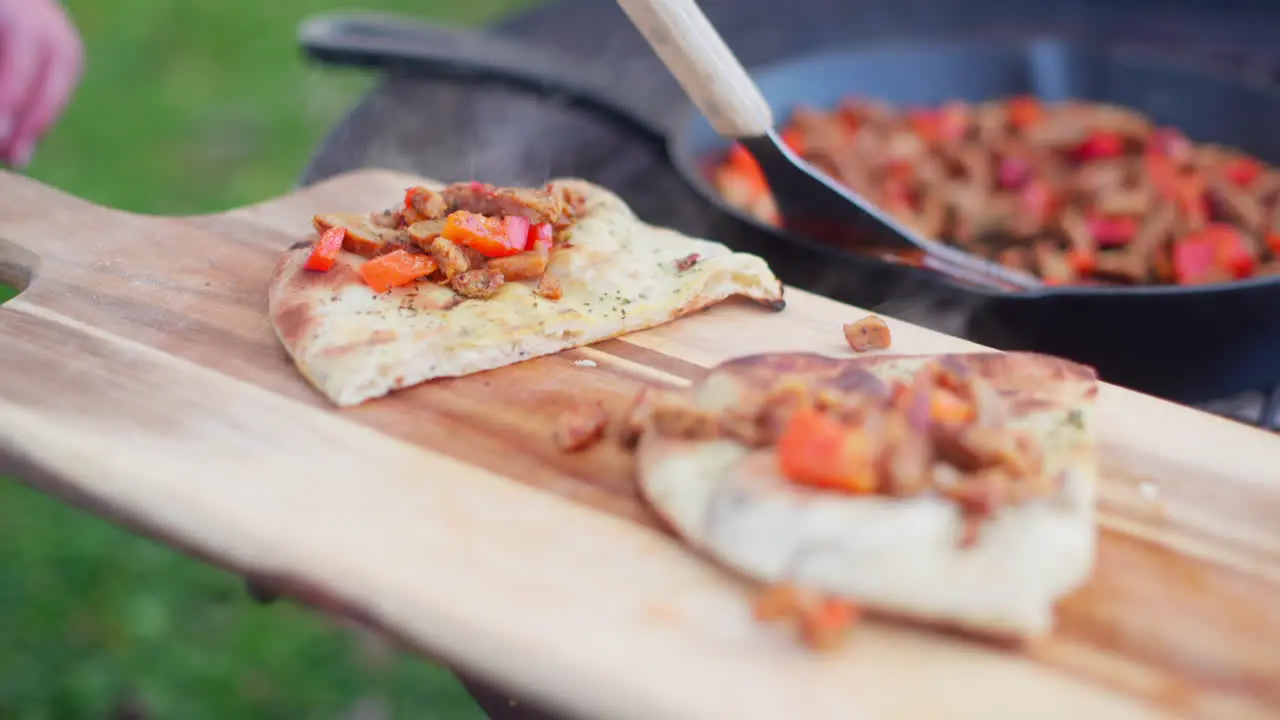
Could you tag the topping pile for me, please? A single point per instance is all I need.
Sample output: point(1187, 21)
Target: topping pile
point(943, 431)
point(470, 236)
point(1075, 192)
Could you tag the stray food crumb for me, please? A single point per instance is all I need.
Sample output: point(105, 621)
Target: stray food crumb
point(1148, 490)
point(869, 333)
point(687, 262)
point(580, 427)
point(586, 363)
point(823, 622)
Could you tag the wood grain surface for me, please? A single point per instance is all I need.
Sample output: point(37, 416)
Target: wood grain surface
point(140, 379)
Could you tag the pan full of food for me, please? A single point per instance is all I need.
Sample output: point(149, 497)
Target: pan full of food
point(1142, 191)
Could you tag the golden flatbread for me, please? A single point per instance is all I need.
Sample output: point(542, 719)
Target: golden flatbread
point(929, 521)
point(435, 289)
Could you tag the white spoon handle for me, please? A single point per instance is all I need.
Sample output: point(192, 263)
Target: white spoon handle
point(705, 67)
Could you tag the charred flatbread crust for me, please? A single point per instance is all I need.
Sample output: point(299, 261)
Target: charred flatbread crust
point(617, 275)
point(902, 556)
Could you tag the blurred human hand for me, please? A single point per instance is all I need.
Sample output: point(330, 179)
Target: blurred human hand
point(41, 61)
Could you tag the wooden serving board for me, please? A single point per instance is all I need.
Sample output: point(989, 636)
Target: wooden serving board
point(139, 378)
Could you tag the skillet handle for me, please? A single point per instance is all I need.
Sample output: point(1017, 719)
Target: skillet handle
point(382, 40)
point(705, 67)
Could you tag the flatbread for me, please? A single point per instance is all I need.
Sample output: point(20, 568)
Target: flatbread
point(902, 556)
point(619, 275)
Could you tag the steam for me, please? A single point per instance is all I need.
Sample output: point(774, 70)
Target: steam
point(911, 297)
point(925, 306)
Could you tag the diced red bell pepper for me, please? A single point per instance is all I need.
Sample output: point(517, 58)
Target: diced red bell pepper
point(1100, 145)
point(925, 124)
point(1231, 250)
point(396, 268)
point(410, 193)
point(1112, 231)
point(324, 255)
point(517, 228)
point(745, 166)
point(1242, 170)
point(541, 237)
point(1169, 143)
point(1193, 259)
point(897, 195)
point(1273, 241)
point(899, 170)
point(1037, 198)
point(849, 112)
point(1012, 172)
point(486, 235)
point(819, 451)
point(1025, 111)
point(1207, 255)
point(1084, 262)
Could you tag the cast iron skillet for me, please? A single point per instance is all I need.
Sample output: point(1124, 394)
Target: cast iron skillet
point(1188, 344)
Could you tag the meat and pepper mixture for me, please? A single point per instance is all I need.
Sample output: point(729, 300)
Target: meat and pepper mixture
point(943, 431)
point(1077, 193)
point(471, 236)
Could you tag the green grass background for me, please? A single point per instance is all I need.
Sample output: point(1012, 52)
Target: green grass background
point(187, 107)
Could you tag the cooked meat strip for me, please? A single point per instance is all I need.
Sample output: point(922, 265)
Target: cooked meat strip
point(527, 265)
point(363, 236)
point(1235, 204)
point(425, 232)
point(424, 204)
point(1126, 201)
point(1073, 225)
point(538, 206)
point(906, 463)
point(1052, 264)
point(389, 219)
point(572, 203)
point(869, 333)
point(451, 257)
point(479, 284)
point(549, 287)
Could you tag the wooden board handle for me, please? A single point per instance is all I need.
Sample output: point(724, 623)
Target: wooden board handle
point(32, 216)
point(705, 67)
